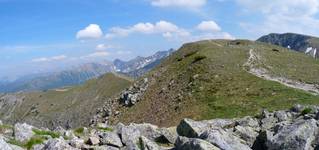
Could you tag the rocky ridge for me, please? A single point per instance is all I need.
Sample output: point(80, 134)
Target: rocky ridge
point(301, 43)
point(127, 98)
point(296, 128)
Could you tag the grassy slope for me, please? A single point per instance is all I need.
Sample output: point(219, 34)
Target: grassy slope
point(77, 103)
point(222, 88)
point(290, 64)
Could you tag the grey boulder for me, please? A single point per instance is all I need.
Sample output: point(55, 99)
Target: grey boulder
point(110, 138)
point(224, 140)
point(23, 132)
point(183, 143)
point(298, 135)
point(193, 129)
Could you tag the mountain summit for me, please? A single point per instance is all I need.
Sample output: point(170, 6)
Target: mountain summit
point(298, 42)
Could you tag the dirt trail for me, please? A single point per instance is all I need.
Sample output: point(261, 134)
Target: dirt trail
point(254, 59)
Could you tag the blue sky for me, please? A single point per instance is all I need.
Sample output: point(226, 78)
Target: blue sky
point(48, 35)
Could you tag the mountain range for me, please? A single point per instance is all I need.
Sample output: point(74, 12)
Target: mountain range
point(301, 43)
point(142, 104)
point(202, 80)
point(81, 73)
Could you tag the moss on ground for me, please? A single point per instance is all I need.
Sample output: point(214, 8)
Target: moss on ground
point(46, 133)
point(30, 143)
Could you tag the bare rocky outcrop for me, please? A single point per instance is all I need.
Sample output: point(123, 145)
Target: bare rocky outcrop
point(23, 132)
point(131, 95)
point(127, 98)
point(296, 128)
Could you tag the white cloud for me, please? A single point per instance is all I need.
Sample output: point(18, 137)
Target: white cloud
point(93, 31)
point(96, 54)
point(209, 36)
point(170, 31)
point(102, 47)
point(61, 57)
point(179, 3)
point(47, 59)
point(42, 59)
point(209, 26)
point(162, 27)
point(282, 16)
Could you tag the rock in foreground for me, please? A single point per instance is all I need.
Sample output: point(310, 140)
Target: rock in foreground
point(296, 128)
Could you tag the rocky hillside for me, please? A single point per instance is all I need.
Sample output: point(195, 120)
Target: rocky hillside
point(219, 79)
point(79, 74)
point(301, 43)
point(296, 128)
point(67, 107)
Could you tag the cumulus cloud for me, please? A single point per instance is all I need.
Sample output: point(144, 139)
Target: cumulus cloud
point(179, 3)
point(96, 54)
point(209, 36)
point(170, 31)
point(209, 26)
point(167, 29)
point(47, 59)
point(102, 47)
point(93, 31)
point(282, 16)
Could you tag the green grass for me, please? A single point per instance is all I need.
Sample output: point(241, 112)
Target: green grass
point(15, 142)
point(48, 133)
point(306, 111)
point(140, 144)
point(199, 58)
point(5, 126)
point(77, 103)
point(38, 138)
point(223, 88)
point(34, 141)
point(29, 144)
point(290, 64)
point(79, 131)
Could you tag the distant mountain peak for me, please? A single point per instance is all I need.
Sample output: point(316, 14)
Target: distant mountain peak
point(298, 42)
point(79, 74)
point(139, 61)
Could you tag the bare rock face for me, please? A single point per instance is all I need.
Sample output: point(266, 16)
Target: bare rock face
point(23, 132)
point(130, 96)
point(110, 138)
point(93, 140)
point(58, 144)
point(193, 129)
point(148, 144)
point(6, 146)
point(183, 143)
point(298, 135)
point(224, 140)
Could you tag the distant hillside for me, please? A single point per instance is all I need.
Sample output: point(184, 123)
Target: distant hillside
point(74, 76)
point(301, 43)
point(67, 107)
point(221, 79)
point(79, 74)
